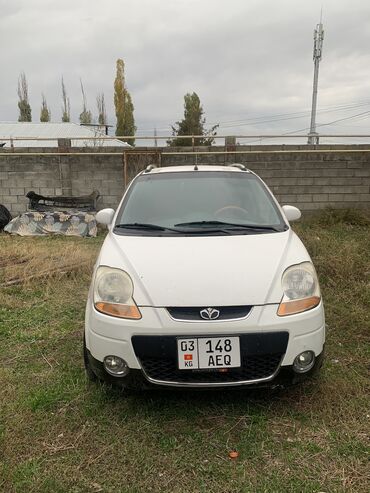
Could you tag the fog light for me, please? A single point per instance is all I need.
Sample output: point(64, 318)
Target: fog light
point(304, 362)
point(116, 366)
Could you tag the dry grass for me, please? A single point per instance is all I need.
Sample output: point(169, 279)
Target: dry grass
point(59, 434)
point(24, 259)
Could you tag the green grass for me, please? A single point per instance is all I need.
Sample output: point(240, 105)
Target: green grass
point(60, 434)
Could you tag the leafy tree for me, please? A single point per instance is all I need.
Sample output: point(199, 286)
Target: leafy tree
point(129, 118)
point(66, 108)
point(85, 116)
point(123, 105)
point(193, 123)
point(25, 114)
point(102, 113)
point(119, 97)
point(45, 111)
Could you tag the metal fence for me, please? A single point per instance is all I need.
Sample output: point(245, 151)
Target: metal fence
point(228, 139)
point(229, 146)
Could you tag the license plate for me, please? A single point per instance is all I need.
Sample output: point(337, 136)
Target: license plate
point(208, 352)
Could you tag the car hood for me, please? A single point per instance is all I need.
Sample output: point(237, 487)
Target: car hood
point(204, 270)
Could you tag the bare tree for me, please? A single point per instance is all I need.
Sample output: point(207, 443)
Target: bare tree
point(66, 108)
point(85, 116)
point(102, 113)
point(45, 113)
point(25, 114)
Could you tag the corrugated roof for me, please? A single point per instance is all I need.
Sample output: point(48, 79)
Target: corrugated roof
point(53, 130)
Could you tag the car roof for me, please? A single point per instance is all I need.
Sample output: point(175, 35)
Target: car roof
point(233, 168)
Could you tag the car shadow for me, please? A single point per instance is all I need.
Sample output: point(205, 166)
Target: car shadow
point(227, 402)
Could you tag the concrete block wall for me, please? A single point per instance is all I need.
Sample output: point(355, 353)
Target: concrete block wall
point(309, 180)
point(317, 180)
point(103, 173)
point(19, 175)
point(326, 176)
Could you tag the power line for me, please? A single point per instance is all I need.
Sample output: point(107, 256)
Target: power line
point(273, 118)
point(361, 116)
point(303, 112)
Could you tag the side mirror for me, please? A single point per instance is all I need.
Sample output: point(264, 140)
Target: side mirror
point(105, 216)
point(292, 213)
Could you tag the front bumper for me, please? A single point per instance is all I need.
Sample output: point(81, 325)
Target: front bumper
point(137, 380)
point(271, 344)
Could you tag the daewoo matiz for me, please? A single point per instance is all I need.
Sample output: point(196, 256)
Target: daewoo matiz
point(202, 283)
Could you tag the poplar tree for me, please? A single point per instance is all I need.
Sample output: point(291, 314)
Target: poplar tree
point(45, 111)
point(193, 123)
point(85, 116)
point(129, 118)
point(25, 114)
point(66, 107)
point(102, 113)
point(123, 105)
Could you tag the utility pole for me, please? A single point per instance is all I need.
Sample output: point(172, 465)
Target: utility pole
point(318, 37)
point(155, 137)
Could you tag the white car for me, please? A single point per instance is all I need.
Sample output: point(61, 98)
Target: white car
point(201, 282)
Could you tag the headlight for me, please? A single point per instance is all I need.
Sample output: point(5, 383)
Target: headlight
point(301, 289)
point(113, 290)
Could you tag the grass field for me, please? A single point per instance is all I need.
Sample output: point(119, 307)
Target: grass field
point(60, 434)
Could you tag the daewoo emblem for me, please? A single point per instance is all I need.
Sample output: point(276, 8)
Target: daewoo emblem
point(209, 313)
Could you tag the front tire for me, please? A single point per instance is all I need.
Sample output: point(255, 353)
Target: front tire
point(91, 376)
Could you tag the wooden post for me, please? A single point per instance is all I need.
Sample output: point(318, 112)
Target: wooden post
point(125, 169)
point(230, 145)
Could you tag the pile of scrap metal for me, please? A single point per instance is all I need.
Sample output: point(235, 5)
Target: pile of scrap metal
point(62, 202)
point(63, 215)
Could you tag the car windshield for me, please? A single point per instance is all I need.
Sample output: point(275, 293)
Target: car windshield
point(198, 201)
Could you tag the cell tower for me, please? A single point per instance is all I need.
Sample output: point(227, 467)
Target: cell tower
point(318, 38)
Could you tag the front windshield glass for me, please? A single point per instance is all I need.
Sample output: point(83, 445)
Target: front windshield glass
point(204, 198)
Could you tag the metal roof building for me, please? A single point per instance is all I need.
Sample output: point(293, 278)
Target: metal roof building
point(11, 132)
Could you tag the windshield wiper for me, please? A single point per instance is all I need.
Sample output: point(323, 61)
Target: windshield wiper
point(154, 227)
point(157, 227)
point(225, 225)
point(198, 226)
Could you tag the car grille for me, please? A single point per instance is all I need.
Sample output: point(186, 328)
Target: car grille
point(261, 355)
point(193, 312)
point(253, 368)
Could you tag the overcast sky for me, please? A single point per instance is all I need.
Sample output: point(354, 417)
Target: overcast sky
point(248, 60)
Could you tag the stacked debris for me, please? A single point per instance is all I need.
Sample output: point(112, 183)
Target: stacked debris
point(63, 215)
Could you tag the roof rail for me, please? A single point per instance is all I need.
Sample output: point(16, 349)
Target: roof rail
point(149, 168)
point(237, 165)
